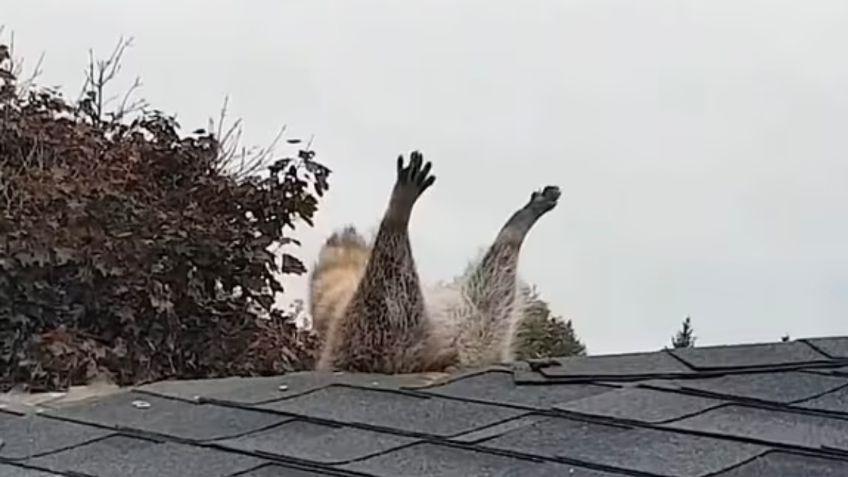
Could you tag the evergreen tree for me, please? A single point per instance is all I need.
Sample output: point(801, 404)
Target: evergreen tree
point(542, 335)
point(685, 337)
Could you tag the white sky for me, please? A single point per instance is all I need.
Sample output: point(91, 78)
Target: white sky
point(700, 145)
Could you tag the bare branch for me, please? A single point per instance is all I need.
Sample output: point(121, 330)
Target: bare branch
point(98, 74)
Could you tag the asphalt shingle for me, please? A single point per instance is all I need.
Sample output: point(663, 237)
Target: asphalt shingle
point(498, 429)
point(771, 425)
point(404, 412)
point(781, 387)
point(643, 450)
point(834, 401)
point(785, 464)
point(317, 442)
point(8, 470)
point(640, 404)
point(436, 460)
point(620, 365)
point(122, 456)
point(257, 390)
point(835, 347)
point(29, 435)
point(500, 387)
point(172, 417)
point(747, 356)
point(274, 470)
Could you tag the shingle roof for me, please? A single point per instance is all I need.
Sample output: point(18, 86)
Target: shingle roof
point(776, 409)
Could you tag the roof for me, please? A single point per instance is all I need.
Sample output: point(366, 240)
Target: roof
point(774, 409)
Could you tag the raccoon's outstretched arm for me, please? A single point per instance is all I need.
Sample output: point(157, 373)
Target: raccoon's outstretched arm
point(492, 286)
point(385, 326)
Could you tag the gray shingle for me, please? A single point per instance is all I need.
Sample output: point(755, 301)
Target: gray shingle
point(499, 387)
point(234, 389)
point(645, 450)
point(426, 415)
point(273, 470)
point(640, 404)
point(171, 417)
point(838, 371)
point(785, 464)
point(24, 436)
point(547, 438)
point(317, 442)
point(781, 387)
point(255, 390)
point(14, 471)
point(771, 426)
point(835, 347)
point(427, 460)
point(753, 355)
point(835, 401)
point(620, 365)
point(498, 429)
point(121, 456)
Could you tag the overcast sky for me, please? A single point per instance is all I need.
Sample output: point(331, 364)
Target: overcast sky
point(701, 145)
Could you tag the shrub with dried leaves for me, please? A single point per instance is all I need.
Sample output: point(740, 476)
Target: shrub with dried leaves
point(128, 250)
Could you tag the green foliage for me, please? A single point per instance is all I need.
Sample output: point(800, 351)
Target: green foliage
point(128, 250)
point(685, 337)
point(541, 335)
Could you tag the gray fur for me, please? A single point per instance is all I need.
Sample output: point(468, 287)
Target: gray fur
point(390, 325)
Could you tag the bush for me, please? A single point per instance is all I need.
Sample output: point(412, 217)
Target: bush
point(131, 250)
point(542, 335)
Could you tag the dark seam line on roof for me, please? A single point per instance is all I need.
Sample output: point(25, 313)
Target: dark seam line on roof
point(825, 371)
point(838, 415)
point(680, 360)
point(841, 452)
point(153, 435)
point(701, 373)
point(570, 461)
point(727, 398)
point(728, 437)
point(587, 379)
point(24, 465)
point(774, 451)
point(740, 464)
point(489, 426)
point(372, 427)
point(818, 395)
point(296, 460)
point(817, 349)
point(331, 472)
point(57, 450)
point(824, 363)
point(459, 377)
point(11, 412)
point(621, 421)
point(791, 407)
point(166, 396)
point(517, 407)
point(402, 392)
point(558, 460)
point(200, 399)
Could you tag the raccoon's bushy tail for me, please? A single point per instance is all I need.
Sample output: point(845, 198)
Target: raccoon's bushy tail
point(341, 263)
